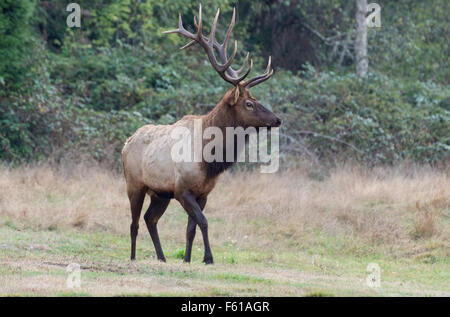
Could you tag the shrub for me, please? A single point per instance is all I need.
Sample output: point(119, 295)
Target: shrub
point(378, 120)
point(14, 41)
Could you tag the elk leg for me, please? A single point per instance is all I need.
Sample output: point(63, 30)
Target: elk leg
point(156, 209)
point(193, 209)
point(190, 231)
point(190, 234)
point(136, 200)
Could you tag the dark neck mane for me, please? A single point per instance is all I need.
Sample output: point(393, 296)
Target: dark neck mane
point(221, 117)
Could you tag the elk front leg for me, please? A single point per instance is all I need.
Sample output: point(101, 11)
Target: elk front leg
point(156, 209)
point(190, 231)
point(193, 209)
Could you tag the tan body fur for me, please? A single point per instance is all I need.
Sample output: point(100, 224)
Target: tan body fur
point(147, 162)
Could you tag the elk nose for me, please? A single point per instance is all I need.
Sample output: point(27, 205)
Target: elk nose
point(277, 122)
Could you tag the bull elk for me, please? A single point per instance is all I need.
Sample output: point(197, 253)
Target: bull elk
point(148, 166)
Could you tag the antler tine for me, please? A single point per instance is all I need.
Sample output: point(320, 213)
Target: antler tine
point(181, 29)
point(212, 34)
point(256, 82)
point(209, 44)
point(180, 22)
point(244, 65)
point(259, 79)
point(175, 30)
point(222, 49)
point(199, 26)
point(247, 72)
point(230, 29)
point(188, 45)
point(269, 63)
point(227, 65)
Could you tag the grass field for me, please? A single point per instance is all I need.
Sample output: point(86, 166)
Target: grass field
point(297, 233)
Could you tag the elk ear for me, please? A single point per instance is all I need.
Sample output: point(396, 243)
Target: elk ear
point(236, 95)
point(233, 96)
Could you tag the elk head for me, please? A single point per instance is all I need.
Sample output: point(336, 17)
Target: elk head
point(246, 110)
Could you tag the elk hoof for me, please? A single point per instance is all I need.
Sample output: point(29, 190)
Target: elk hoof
point(208, 261)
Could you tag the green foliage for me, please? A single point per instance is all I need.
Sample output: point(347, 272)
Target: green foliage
point(280, 29)
point(106, 23)
point(378, 120)
point(14, 41)
point(413, 41)
point(31, 121)
point(82, 92)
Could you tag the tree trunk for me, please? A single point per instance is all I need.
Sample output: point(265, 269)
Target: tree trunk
point(362, 62)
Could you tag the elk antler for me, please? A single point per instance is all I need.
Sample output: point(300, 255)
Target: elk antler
point(209, 44)
point(259, 79)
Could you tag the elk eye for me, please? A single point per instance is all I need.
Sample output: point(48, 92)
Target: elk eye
point(249, 105)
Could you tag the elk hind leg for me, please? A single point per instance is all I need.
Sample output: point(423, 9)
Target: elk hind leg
point(156, 209)
point(136, 198)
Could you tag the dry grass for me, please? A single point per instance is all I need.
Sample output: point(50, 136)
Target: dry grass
point(286, 234)
point(396, 209)
point(392, 207)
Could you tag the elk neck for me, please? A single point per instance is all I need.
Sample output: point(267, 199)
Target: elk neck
point(221, 116)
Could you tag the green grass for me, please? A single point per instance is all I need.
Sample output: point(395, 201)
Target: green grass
point(30, 258)
point(178, 254)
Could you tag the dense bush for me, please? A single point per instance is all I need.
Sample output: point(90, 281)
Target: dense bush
point(14, 41)
point(77, 93)
point(413, 41)
point(377, 120)
point(326, 115)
